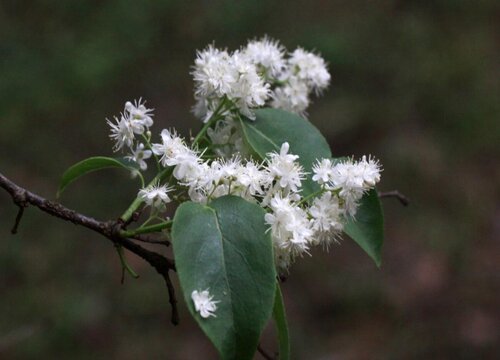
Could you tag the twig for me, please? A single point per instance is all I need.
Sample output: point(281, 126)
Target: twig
point(109, 229)
point(146, 229)
point(396, 194)
point(264, 354)
point(174, 318)
point(150, 240)
point(18, 218)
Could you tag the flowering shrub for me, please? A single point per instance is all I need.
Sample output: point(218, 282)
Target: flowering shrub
point(256, 188)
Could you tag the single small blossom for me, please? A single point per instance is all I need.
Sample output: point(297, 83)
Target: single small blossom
point(293, 96)
point(327, 218)
point(156, 196)
point(283, 167)
point(213, 73)
point(371, 171)
point(121, 132)
point(174, 152)
point(253, 178)
point(351, 198)
point(203, 303)
point(139, 155)
point(140, 117)
point(323, 171)
point(227, 170)
point(250, 90)
point(311, 68)
point(290, 228)
point(267, 54)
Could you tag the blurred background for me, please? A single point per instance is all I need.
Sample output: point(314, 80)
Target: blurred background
point(415, 83)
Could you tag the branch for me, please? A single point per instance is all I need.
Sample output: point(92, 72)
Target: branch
point(112, 230)
point(395, 194)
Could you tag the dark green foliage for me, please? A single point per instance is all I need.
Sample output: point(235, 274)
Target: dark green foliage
point(272, 127)
point(367, 229)
point(224, 247)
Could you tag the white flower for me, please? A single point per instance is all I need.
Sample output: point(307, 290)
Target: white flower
point(266, 53)
point(361, 175)
point(323, 171)
point(203, 303)
point(311, 68)
point(187, 165)
point(156, 196)
point(253, 178)
point(327, 218)
point(352, 179)
point(121, 132)
point(139, 155)
point(228, 169)
point(218, 74)
point(293, 96)
point(213, 73)
point(290, 228)
point(249, 91)
point(171, 146)
point(371, 171)
point(351, 198)
point(201, 177)
point(284, 169)
point(174, 152)
point(139, 116)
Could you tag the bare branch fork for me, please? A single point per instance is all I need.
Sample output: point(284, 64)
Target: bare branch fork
point(112, 230)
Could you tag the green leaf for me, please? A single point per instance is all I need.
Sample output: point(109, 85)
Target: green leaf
point(273, 127)
point(92, 164)
point(224, 247)
point(367, 229)
point(279, 316)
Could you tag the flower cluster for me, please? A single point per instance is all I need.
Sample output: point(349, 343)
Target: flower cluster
point(296, 222)
point(136, 119)
point(256, 75)
point(260, 74)
point(228, 86)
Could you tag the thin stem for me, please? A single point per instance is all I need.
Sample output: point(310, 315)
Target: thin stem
point(138, 201)
point(148, 221)
point(308, 197)
point(141, 178)
point(395, 194)
point(125, 266)
point(209, 122)
point(147, 229)
point(19, 216)
point(146, 239)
